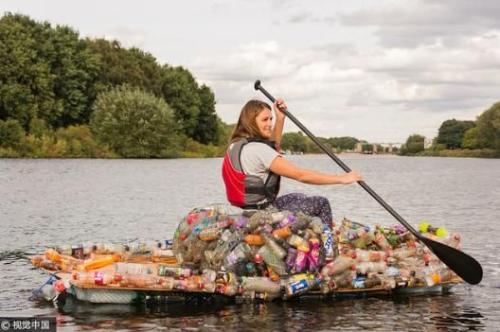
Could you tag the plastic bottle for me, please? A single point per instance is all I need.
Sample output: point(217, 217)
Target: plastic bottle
point(298, 242)
point(98, 263)
point(437, 274)
point(299, 224)
point(53, 255)
point(327, 239)
point(260, 284)
point(290, 219)
point(241, 252)
point(316, 225)
point(131, 268)
point(170, 271)
point(369, 255)
point(366, 282)
point(223, 248)
point(209, 234)
point(278, 216)
point(282, 232)
point(364, 238)
point(453, 240)
point(314, 254)
point(102, 278)
point(403, 253)
point(300, 283)
point(366, 267)
point(344, 279)
point(254, 240)
point(49, 265)
point(381, 241)
point(339, 265)
point(276, 249)
point(272, 260)
point(425, 227)
point(140, 281)
point(291, 258)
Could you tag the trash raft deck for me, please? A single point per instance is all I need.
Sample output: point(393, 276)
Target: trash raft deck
point(259, 256)
point(130, 295)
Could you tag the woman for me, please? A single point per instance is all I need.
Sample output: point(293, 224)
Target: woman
point(252, 166)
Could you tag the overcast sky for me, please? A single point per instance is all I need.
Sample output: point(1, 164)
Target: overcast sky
point(378, 70)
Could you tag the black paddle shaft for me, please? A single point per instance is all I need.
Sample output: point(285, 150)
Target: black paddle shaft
point(462, 264)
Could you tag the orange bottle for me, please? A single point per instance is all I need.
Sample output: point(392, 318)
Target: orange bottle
point(282, 232)
point(254, 240)
point(99, 262)
point(53, 255)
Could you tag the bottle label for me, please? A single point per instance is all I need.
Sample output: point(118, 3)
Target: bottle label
point(298, 286)
point(327, 238)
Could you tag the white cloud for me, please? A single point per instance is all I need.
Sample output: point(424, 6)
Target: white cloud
point(371, 87)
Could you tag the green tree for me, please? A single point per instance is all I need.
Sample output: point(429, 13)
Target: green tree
point(488, 128)
point(207, 127)
point(180, 90)
point(343, 143)
point(470, 139)
point(414, 144)
point(295, 142)
point(135, 124)
point(45, 72)
point(451, 133)
point(120, 66)
point(11, 134)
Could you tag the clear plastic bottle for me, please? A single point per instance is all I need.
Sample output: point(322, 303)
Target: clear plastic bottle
point(260, 284)
point(316, 225)
point(369, 255)
point(209, 234)
point(170, 271)
point(436, 274)
point(381, 240)
point(364, 238)
point(404, 252)
point(298, 242)
point(277, 250)
point(290, 219)
point(339, 265)
point(367, 267)
point(298, 225)
point(241, 252)
point(344, 279)
point(272, 260)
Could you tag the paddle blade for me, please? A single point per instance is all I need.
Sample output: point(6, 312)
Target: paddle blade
point(462, 264)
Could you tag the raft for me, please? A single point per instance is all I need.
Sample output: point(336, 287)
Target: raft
point(219, 254)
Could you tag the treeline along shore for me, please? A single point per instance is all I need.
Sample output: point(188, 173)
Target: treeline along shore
point(63, 96)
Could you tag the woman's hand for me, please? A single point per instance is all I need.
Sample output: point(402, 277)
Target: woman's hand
point(279, 106)
point(352, 176)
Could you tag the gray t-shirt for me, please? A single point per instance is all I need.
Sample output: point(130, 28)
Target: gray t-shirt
point(256, 158)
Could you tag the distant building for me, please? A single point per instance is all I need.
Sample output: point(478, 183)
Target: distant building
point(377, 147)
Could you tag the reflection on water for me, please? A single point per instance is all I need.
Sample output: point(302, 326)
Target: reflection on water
point(417, 313)
point(46, 202)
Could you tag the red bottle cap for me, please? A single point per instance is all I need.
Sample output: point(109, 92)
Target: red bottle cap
point(258, 258)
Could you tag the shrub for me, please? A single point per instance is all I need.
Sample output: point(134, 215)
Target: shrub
point(135, 124)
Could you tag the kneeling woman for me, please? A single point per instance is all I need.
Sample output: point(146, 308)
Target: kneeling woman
point(252, 166)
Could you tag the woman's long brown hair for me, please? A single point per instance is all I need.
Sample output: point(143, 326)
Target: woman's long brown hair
point(247, 126)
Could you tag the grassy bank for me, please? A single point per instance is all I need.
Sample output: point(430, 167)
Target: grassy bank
point(461, 153)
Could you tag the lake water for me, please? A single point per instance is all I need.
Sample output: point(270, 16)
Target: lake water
point(50, 202)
